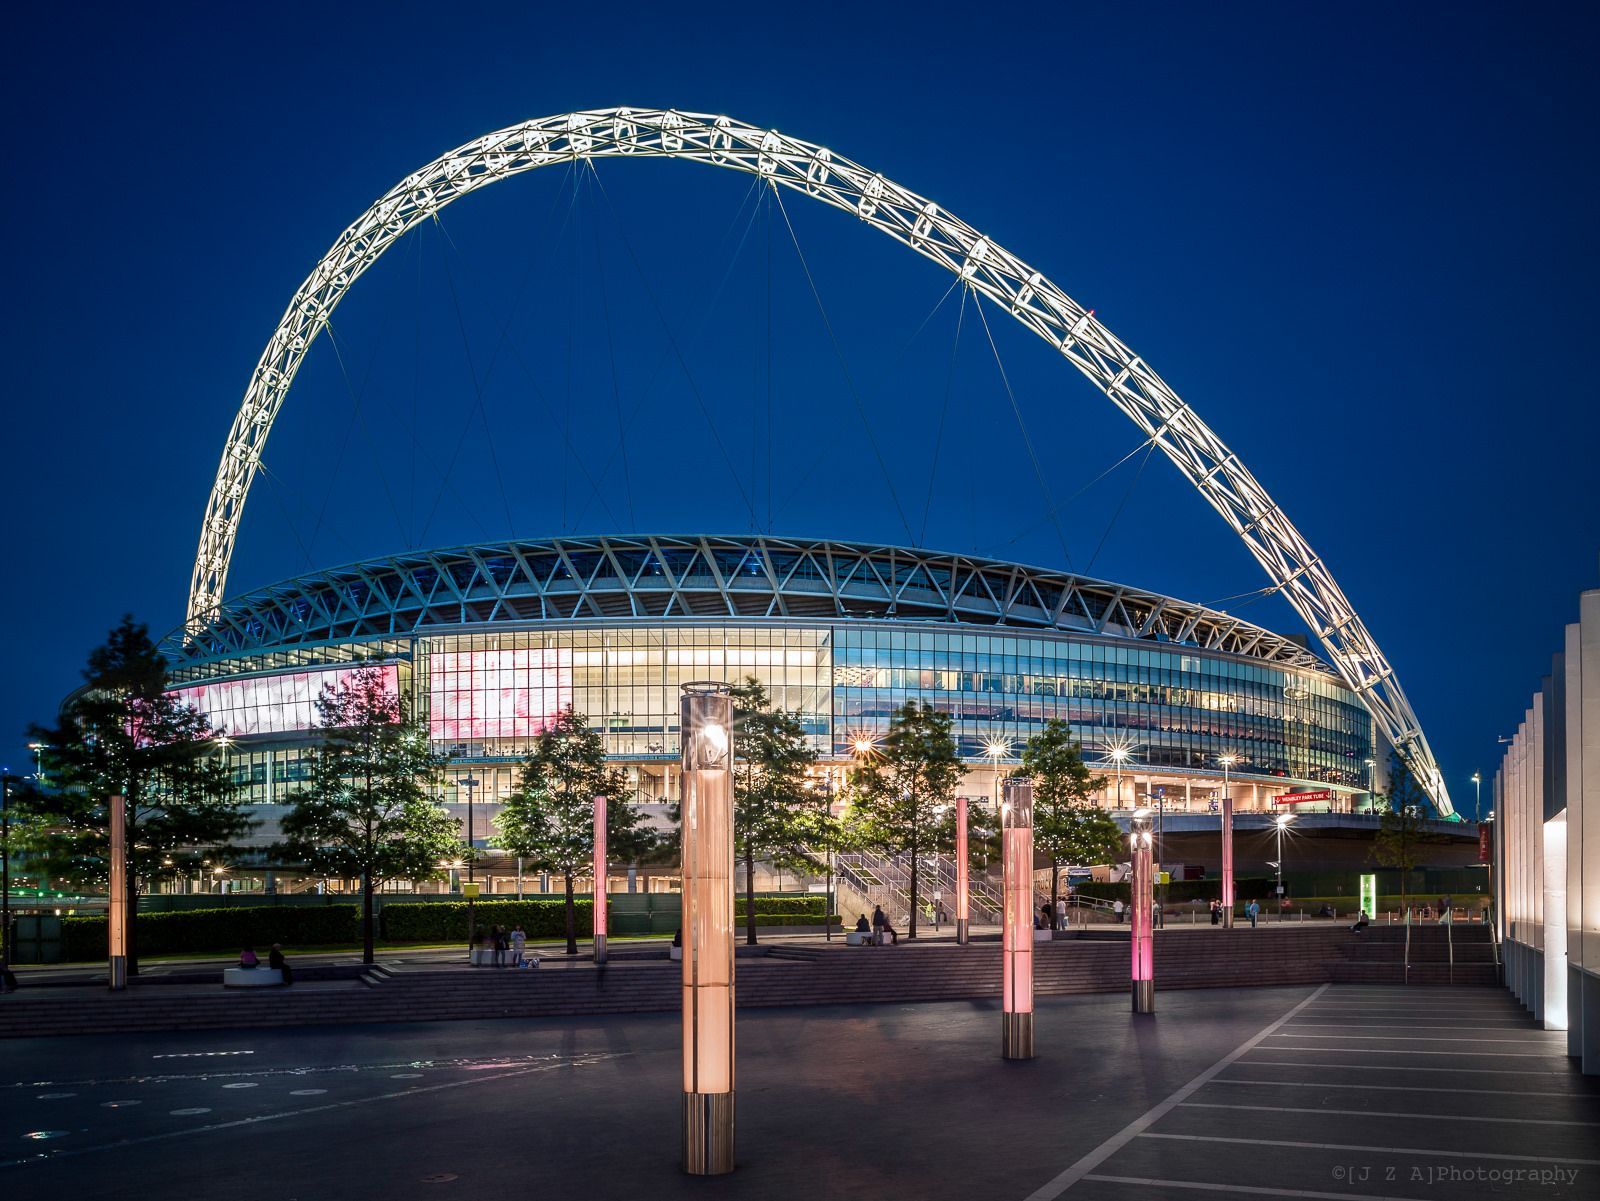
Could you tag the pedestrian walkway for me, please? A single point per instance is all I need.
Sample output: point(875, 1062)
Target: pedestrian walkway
point(1359, 1093)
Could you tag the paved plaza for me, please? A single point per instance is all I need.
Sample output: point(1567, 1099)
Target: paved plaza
point(1328, 1091)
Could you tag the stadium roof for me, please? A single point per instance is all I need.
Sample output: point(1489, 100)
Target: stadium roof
point(742, 577)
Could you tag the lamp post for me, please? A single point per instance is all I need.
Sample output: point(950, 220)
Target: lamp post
point(1118, 754)
point(1143, 973)
point(5, 878)
point(600, 879)
point(470, 783)
point(1228, 760)
point(117, 898)
point(1477, 804)
point(1016, 822)
point(706, 725)
point(1282, 824)
point(963, 911)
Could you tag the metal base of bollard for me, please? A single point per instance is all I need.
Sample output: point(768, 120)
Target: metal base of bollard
point(707, 1133)
point(599, 948)
point(1016, 1035)
point(117, 974)
point(1227, 919)
point(1144, 996)
point(961, 931)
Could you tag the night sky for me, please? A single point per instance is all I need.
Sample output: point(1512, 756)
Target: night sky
point(1359, 238)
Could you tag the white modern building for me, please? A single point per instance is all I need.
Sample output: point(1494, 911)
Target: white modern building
point(1547, 844)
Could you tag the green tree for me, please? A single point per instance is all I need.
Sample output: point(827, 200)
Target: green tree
point(902, 789)
point(1065, 825)
point(124, 732)
point(775, 816)
point(1402, 825)
point(549, 818)
point(370, 810)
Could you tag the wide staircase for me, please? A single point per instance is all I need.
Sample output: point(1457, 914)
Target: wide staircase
point(782, 973)
point(1459, 954)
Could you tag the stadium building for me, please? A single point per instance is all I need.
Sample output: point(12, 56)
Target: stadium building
point(487, 643)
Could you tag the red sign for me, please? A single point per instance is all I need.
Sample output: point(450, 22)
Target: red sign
point(1485, 843)
point(1300, 798)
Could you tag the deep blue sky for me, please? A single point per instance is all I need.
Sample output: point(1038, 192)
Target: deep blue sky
point(1358, 237)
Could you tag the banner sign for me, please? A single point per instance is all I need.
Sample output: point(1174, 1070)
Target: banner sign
point(1300, 798)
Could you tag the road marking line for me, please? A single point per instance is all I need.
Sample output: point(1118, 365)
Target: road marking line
point(1402, 1051)
point(1401, 1026)
point(1077, 1171)
point(584, 1061)
point(1422, 1151)
point(1152, 1182)
point(1406, 1088)
point(1389, 1067)
point(1390, 1038)
point(1379, 1113)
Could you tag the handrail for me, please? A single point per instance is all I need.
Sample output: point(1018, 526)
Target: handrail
point(1450, 941)
point(1407, 974)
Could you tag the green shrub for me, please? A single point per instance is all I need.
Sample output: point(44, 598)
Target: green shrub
point(793, 919)
point(446, 921)
point(181, 931)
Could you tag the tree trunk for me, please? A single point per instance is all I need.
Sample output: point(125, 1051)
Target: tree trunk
point(911, 926)
point(749, 894)
point(366, 916)
point(1055, 882)
point(572, 919)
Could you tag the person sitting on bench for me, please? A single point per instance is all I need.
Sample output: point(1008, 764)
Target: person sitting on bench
point(1361, 922)
point(862, 927)
point(881, 926)
point(247, 958)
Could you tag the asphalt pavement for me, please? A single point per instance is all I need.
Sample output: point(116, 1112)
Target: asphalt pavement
point(1307, 1091)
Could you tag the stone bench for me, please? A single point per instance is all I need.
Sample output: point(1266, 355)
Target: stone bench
point(252, 977)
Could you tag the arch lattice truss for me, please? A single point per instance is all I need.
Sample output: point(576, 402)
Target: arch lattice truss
point(984, 266)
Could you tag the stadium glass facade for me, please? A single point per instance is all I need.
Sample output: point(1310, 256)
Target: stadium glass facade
point(487, 670)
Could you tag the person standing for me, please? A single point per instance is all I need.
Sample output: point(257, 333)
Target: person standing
point(1061, 913)
point(1252, 911)
point(519, 945)
point(1216, 912)
point(1117, 908)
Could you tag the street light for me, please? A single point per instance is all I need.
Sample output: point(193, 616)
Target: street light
point(1228, 760)
point(1119, 751)
point(994, 750)
point(470, 783)
point(1477, 805)
point(1282, 823)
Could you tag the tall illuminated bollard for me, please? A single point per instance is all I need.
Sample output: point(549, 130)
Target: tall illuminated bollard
point(1016, 822)
point(706, 712)
point(962, 886)
point(1143, 972)
point(599, 879)
point(117, 896)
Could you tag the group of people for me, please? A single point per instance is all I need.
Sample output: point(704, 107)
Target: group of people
point(503, 942)
point(248, 959)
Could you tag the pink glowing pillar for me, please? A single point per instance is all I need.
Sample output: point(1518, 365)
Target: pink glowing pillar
point(599, 879)
point(706, 725)
point(1016, 823)
point(117, 897)
point(961, 870)
point(1143, 972)
point(1227, 853)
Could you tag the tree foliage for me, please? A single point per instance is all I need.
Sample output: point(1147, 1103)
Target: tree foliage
point(1402, 825)
point(549, 817)
point(126, 733)
point(776, 814)
point(1067, 826)
point(901, 790)
point(370, 809)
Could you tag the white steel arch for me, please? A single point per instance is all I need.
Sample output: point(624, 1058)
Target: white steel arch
point(1214, 470)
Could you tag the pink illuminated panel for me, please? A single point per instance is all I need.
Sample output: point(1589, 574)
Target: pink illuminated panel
point(276, 704)
point(497, 694)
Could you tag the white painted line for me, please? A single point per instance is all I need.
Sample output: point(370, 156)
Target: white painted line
point(1403, 1051)
point(1428, 1038)
point(1077, 1171)
point(1152, 1182)
point(1422, 1151)
point(576, 1062)
point(1389, 1067)
point(1398, 1026)
point(1379, 1113)
point(1406, 1088)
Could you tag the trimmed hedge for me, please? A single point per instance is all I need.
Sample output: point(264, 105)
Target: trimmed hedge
point(802, 904)
point(791, 919)
point(180, 931)
point(446, 921)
